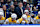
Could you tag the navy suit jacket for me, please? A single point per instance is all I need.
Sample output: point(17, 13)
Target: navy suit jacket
point(18, 11)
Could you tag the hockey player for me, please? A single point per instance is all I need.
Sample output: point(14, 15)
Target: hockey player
point(11, 20)
point(2, 19)
point(28, 16)
point(22, 20)
point(27, 13)
point(37, 18)
point(32, 18)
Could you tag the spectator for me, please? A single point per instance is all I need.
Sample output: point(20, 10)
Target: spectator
point(8, 5)
point(35, 2)
point(15, 4)
point(19, 10)
point(28, 7)
point(25, 2)
point(38, 6)
point(11, 10)
point(35, 10)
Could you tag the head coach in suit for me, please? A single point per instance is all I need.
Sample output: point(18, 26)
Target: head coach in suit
point(19, 10)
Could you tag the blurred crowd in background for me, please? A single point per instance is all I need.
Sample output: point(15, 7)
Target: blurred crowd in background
point(29, 7)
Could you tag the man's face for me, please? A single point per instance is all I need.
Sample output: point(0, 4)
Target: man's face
point(0, 16)
point(12, 6)
point(26, 13)
point(38, 15)
point(34, 7)
point(27, 5)
point(20, 5)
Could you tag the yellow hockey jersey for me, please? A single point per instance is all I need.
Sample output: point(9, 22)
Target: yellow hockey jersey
point(20, 20)
point(11, 21)
point(28, 16)
point(2, 20)
point(37, 17)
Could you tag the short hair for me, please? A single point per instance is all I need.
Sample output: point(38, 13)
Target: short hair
point(27, 3)
point(19, 3)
